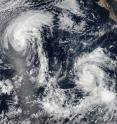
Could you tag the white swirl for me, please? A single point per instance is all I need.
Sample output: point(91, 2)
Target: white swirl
point(28, 25)
point(25, 29)
point(22, 34)
point(91, 77)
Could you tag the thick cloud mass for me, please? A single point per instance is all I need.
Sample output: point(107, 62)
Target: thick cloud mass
point(57, 63)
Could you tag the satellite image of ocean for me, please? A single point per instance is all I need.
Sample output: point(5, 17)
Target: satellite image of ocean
point(58, 61)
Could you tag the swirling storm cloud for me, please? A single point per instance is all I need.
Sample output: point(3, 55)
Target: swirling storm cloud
point(57, 62)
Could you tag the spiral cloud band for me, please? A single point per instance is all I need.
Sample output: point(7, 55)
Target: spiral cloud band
point(57, 63)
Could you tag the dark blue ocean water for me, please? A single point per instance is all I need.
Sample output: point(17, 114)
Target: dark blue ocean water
point(61, 57)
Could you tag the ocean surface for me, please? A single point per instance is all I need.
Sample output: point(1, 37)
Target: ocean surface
point(58, 62)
